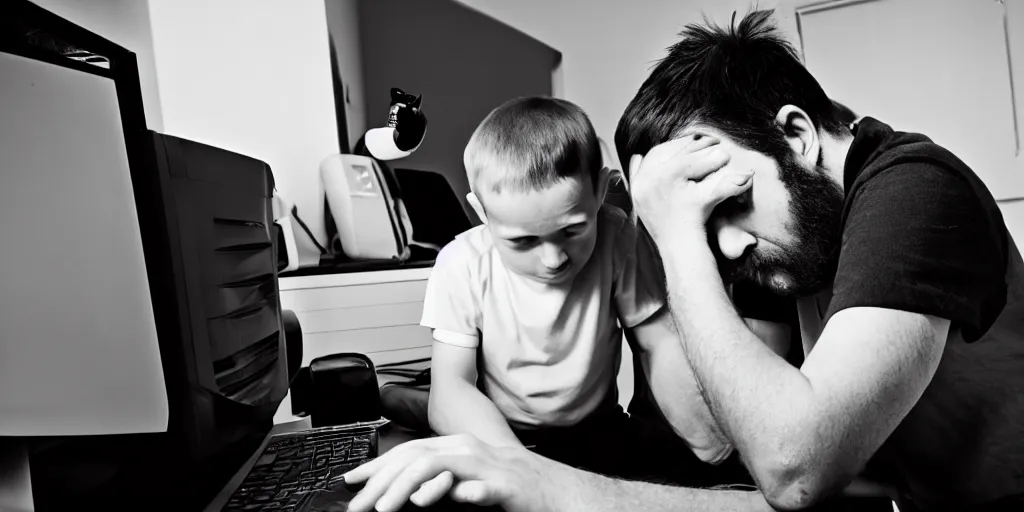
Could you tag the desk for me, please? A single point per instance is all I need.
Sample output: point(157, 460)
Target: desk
point(372, 313)
point(391, 436)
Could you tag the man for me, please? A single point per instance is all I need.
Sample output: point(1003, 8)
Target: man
point(911, 301)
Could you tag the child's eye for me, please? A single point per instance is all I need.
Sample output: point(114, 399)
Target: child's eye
point(522, 242)
point(574, 231)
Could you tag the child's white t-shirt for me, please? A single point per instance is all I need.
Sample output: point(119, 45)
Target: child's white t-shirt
point(550, 354)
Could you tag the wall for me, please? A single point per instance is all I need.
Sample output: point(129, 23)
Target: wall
point(251, 76)
point(343, 25)
point(609, 47)
point(1013, 215)
point(268, 91)
point(462, 62)
point(125, 22)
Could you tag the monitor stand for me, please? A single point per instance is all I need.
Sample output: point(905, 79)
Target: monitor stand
point(15, 478)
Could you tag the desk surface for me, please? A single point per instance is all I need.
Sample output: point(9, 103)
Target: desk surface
point(391, 436)
point(288, 283)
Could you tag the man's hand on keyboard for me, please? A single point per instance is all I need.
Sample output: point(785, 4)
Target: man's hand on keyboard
point(466, 469)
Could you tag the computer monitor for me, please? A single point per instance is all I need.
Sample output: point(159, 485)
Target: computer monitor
point(78, 316)
point(141, 347)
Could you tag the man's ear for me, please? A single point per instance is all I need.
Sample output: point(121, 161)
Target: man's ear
point(800, 133)
point(478, 207)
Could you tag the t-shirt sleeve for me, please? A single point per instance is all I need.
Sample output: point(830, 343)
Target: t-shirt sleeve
point(640, 282)
point(918, 238)
point(449, 306)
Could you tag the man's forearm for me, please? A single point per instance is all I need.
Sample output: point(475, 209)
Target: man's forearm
point(596, 493)
point(460, 408)
point(754, 394)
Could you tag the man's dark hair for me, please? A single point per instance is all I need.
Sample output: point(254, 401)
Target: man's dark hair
point(843, 113)
point(732, 79)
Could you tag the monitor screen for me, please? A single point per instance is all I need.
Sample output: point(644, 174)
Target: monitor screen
point(78, 340)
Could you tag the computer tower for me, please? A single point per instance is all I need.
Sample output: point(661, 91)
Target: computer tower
point(225, 360)
point(120, 224)
point(228, 373)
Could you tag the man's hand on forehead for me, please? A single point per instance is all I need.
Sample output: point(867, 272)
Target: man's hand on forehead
point(678, 183)
point(690, 141)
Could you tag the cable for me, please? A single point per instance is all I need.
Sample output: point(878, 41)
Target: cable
point(295, 215)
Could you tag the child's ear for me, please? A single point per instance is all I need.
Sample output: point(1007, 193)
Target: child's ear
point(604, 178)
point(478, 207)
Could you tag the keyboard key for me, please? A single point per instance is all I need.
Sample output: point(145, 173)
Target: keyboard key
point(292, 470)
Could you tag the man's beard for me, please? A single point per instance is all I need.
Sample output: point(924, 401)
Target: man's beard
point(809, 264)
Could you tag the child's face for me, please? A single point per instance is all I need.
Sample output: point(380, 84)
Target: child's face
point(546, 235)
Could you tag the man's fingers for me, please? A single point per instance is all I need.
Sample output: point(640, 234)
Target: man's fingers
point(381, 480)
point(435, 489)
point(686, 144)
point(476, 492)
point(425, 469)
point(365, 471)
point(724, 185)
point(699, 165)
point(691, 165)
point(694, 166)
point(421, 472)
point(684, 149)
point(393, 485)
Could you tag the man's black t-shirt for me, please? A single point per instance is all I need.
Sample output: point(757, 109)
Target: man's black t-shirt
point(921, 233)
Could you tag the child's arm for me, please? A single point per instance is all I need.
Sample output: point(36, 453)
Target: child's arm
point(456, 405)
point(652, 334)
point(675, 388)
point(451, 309)
point(774, 334)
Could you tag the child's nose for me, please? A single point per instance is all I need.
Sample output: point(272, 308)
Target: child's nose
point(552, 256)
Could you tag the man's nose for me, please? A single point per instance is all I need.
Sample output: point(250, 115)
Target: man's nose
point(733, 241)
point(552, 256)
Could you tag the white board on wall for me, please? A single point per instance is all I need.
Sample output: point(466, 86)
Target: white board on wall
point(942, 68)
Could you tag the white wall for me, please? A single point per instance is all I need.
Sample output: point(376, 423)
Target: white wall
point(125, 22)
point(609, 47)
point(1013, 215)
point(343, 21)
point(254, 77)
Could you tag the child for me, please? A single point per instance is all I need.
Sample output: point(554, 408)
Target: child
point(526, 309)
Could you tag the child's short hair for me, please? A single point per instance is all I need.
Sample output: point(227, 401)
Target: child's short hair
point(531, 143)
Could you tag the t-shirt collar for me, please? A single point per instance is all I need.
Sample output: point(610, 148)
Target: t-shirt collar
point(869, 136)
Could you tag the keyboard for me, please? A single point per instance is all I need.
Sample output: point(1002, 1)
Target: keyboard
point(294, 468)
